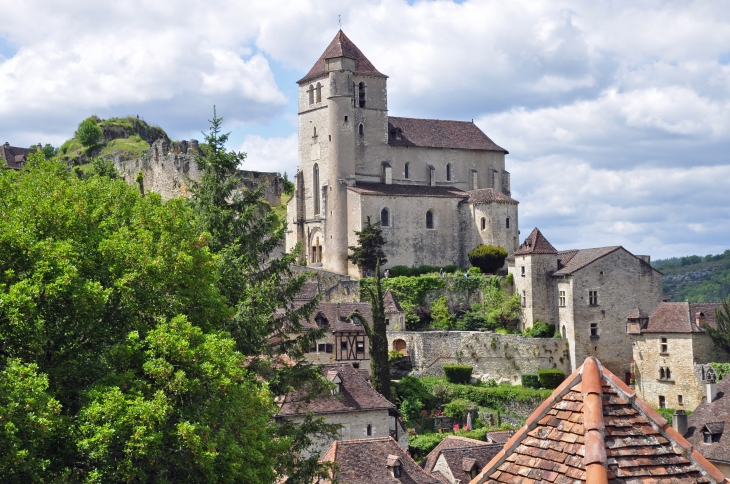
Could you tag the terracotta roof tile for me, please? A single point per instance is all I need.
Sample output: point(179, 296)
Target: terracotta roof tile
point(535, 243)
point(364, 188)
point(714, 415)
point(461, 460)
point(636, 446)
point(439, 133)
point(342, 46)
point(500, 436)
point(365, 461)
point(356, 395)
point(680, 317)
point(489, 195)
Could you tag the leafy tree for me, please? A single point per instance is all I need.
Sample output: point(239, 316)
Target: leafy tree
point(369, 249)
point(720, 335)
point(440, 314)
point(89, 133)
point(288, 185)
point(540, 330)
point(488, 258)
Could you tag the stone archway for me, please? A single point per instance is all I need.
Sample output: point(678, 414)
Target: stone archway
point(399, 345)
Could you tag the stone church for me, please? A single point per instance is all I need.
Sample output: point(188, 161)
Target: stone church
point(438, 188)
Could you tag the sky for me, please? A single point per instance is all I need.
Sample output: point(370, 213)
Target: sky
point(616, 115)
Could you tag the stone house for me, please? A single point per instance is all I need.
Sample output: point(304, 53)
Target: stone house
point(354, 404)
point(593, 428)
point(374, 460)
point(668, 346)
point(706, 426)
point(438, 188)
point(395, 316)
point(16, 157)
point(459, 459)
point(586, 294)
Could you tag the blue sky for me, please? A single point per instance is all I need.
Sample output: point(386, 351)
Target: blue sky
point(616, 115)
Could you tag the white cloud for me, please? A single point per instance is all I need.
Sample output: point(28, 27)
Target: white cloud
point(271, 154)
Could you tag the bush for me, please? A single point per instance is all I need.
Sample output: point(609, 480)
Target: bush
point(457, 409)
point(540, 330)
point(440, 314)
point(498, 398)
point(473, 321)
point(459, 373)
point(550, 379)
point(89, 133)
point(722, 369)
point(530, 380)
point(411, 409)
point(394, 356)
point(406, 271)
point(412, 388)
point(488, 258)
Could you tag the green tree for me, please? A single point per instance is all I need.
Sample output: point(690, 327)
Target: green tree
point(89, 133)
point(488, 258)
point(720, 335)
point(440, 314)
point(369, 249)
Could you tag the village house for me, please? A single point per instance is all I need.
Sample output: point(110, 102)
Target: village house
point(459, 459)
point(16, 157)
point(706, 426)
point(586, 294)
point(593, 428)
point(353, 403)
point(669, 348)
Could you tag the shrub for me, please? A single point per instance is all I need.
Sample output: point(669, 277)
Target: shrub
point(721, 369)
point(460, 373)
point(394, 356)
point(473, 321)
point(530, 380)
point(550, 379)
point(540, 330)
point(412, 388)
point(440, 314)
point(397, 271)
point(411, 409)
point(488, 258)
point(89, 133)
point(457, 408)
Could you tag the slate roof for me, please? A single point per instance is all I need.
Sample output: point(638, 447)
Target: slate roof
point(500, 436)
point(461, 460)
point(391, 303)
point(356, 395)
point(452, 442)
point(594, 428)
point(308, 291)
point(680, 317)
point(535, 243)
point(439, 133)
point(364, 461)
point(341, 46)
point(14, 156)
point(365, 188)
point(489, 195)
point(711, 414)
point(637, 313)
point(336, 314)
point(570, 261)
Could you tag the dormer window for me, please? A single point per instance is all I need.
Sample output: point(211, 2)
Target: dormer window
point(399, 135)
point(712, 431)
point(394, 464)
point(321, 320)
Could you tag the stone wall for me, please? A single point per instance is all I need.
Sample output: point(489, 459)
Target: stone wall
point(502, 357)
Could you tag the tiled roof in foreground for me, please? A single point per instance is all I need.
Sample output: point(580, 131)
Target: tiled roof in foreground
point(594, 429)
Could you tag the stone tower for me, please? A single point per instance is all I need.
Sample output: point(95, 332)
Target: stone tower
point(535, 261)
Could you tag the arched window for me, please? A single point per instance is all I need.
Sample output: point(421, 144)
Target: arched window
point(448, 172)
point(484, 223)
point(315, 187)
point(318, 91)
point(506, 222)
point(369, 430)
point(385, 217)
point(361, 94)
point(361, 129)
point(408, 170)
point(311, 94)
point(429, 219)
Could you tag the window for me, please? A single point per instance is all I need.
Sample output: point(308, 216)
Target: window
point(329, 348)
point(345, 118)
point(361, 94)
point(522, 271)
point(593, 298)
point(310, 91)
point(448, 172)
point(663, 346)
point(669, 374)
point(385, 217)
point(360, 348)
point(524, 299)
point(707, 437)
point(315, 187)
point(361, 129)
point(594, 330)
point(473, 473)
point(429, 219)
point(506, 223)
point(320, 348)
point(408, 170)
point(314, 134)
point(369, 430)
point(387, 321)
point(561, 299)
point(484, 223)
point(321, 321)
point(398, 134)
point(343, 345)
point(680, 400)
point(662, 402)
point(565, 333)
point(662, 375)
point(318, 91)
point(397, 471)
point(356, 365)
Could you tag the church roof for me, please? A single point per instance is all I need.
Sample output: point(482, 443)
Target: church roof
point(594, 429)
point(365, 188)
point(489, 195)
point(535, 243)
point(341, 46)
point(438, 133)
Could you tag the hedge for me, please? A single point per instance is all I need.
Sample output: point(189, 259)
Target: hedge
point(550, 379)
point(397, 271)
point(530, 380)
point(498, 398)
point(458, 373)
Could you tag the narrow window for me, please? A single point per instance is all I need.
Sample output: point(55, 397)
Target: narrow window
point(707, 435)
point(565, 333)
point(318, 91)
point(385, 217)
point(506, 223)
point(522, 270)
point(680, 400)
point(314, 134)
point(356, 365)
point(361, 94)
point(397, 471)
point(343, 345)
point(484, 223)
point(369, 430)
point(361, 129)
point(561, 298)
point(429, 219)
point(524, 299)
point(387, 321)
point(448, 172)
point(408, 170)
point(593, 298)
point(662, 402)
point(315, 187)
point(594, 329)
point(664, 347)
point(320, 348)
point(662, 375)
point(311, 94)
point(345, 118)
point(669, 374)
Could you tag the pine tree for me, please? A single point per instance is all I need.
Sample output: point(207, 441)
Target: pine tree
point(369, 249)
point(720, 335)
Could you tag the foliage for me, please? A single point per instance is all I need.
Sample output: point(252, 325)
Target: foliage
point(424, 443)
point(412, 388)
point(411, 408)
point(394, 355)
point(530, 380)
point(48, 150)
point(668, 412)
point(497, 397)
point(540, 330)
point(458, 408)
point(397, 271)
point(696, 278)
point(101, 167)
point(720, 335)
point(440, 314)
point(458, 373)
point(368, 252)
point(550, 379)
point(133, 146)
point(722, 369)
point(502, 311)
point(473, 320)
point(89, 133)
point(488, 258)
point(289, 186)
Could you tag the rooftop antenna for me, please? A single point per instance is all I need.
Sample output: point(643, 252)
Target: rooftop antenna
point(339, 20)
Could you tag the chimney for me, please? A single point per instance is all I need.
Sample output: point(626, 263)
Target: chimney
point(645, 258)
point(699, 318)
point(40, 147)
point(679, 422)
point(711, 391)
point(7, 145)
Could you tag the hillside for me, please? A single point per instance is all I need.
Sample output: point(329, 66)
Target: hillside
point(128, 137)
point(695, 278)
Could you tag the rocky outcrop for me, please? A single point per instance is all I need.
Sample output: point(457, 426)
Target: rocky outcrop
point(148, 133)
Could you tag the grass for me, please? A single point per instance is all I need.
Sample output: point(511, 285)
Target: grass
point(280, 211)
point(134, 146)
point(71, 150)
